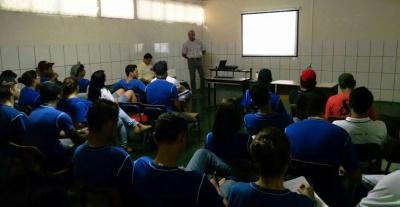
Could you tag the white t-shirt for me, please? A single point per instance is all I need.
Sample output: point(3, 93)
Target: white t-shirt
point(171, 80)
point(106, 94)
point(386, 193)
point(364, 130)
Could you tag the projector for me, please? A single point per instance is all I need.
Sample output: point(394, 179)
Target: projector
point(231, 67)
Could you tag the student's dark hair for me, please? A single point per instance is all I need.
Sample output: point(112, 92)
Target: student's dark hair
point(49, 91)
point(147, 56)
point(80, 69)
point(129, 69)
point(259, 94)
point(8, 73)
point(169, 126)
point(309, 84)
point(310, 104)
point(6, 83)
point(228, 120)
point(361, 100)
point(348, 84)
point(27, 77)
point(96, 84)
point(70, 85)
point(270, 150)
point(100, 112)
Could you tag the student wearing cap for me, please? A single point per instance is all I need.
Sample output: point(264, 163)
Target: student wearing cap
point(361, 128)
point(75, 107)
point(29, 97)
point(265, 78)
point(8, 73)
point(265, 117)
point(46, 72)
point(126, 88)
point(308, 81)
point(12, 122)
point(271, 156)
point(338, 105)
point(45, 125)
point(78, 72)
point(144, 69)
point(316, 141)
point(96, 162)
point(186, 96)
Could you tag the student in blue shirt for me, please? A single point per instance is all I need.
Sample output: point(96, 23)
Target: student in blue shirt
point(160, 182)
point(96, 162)
point(264, 78)
point(315, 140)
point(125, 88)
point(45, 125)
point(265, 117)
point(30, 97)
point(46, 72)
point(271, 156)
point(75, 107)
point(12, 122)
point(225, 140)
point(78, 72)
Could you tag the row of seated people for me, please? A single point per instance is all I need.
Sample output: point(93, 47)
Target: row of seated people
point(11, 89)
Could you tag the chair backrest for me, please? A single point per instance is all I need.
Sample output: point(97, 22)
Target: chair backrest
point(130, 108)
point(32, 159)
point(99, 196)
point(335, 118)
point(153, 111)
point(369, 152)
point(26, 109)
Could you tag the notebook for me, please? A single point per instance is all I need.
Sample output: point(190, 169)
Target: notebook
point(292, 185)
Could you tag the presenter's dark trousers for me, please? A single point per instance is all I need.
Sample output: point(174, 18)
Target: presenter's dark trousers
point(193, 64)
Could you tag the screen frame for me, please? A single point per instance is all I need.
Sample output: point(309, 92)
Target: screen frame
point(274, 11)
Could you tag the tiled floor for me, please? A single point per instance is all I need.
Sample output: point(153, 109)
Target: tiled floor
point(207, 119)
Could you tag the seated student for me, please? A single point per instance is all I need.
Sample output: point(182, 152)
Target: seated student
point(144, 67)
point(30, 97)
point(75, 107)
point(12, 122)
point(225, 140)
point(265, 117)
point(125, 89)
point(265, 78)
point(184, 96)
point(338, 105)
point(315, 140)
point(97, 90)
point(160, 182)
point(308, 81)
point(45, 125)
point(78, 72)
point(9, 74)
point(360, 127)
point(385, 193)
point(271, 155)
point(96, 162)
point(46, 72)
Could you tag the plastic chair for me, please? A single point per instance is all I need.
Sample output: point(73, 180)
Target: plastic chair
point(391, 152)
point(370, 152)
point(26, 109)
point(134, 111)
point(99, 196)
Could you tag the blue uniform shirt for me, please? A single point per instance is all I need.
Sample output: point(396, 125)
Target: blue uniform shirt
point(156, 186)
point(276, 102)
point(29, 97)
point(255, 122)
point(161, 92)
point(83, 84)
point(76, 108)
point(133, 84)
point(12, 124)
point(250, 194)
point(44, 127)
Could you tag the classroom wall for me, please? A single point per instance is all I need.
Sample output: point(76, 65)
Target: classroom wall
point(356, 36)
point(99, 43)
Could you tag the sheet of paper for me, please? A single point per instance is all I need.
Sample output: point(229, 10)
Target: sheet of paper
point(292, 185)
point(372, 179)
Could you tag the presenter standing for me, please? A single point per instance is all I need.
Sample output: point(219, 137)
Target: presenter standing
point(193, 50)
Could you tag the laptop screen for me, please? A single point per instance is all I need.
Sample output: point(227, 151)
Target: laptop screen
point(222, 65)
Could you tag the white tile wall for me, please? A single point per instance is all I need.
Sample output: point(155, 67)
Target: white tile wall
point(375, 64)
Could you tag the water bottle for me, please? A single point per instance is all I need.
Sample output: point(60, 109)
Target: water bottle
point(257, 75)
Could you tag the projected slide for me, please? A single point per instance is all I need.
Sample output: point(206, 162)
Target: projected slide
point(272, 33)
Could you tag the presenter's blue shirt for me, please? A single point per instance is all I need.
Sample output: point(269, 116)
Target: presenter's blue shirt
point(250, 194)
point(161, 92)
point(12, 124)
point(255, 122)
point(158, 186)
point(276, 102)
point(29, 97)
point(134, 84)
point(76, 108)
point(44, 127)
